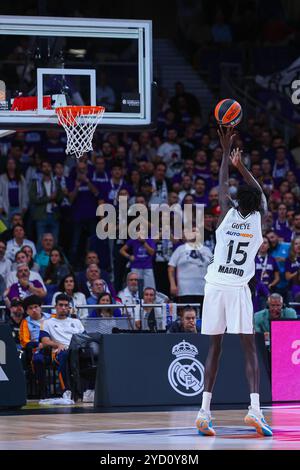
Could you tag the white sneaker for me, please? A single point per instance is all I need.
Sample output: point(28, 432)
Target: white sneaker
point(88, 396)
point(256, 418)
point(67, 395)
point(204, 424)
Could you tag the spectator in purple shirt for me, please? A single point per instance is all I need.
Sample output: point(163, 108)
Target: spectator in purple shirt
point(281, 165)
point(292, 269)
point(110, 190)
point(83, 195)
point(54, 148)
point(266, 274)
point(140, 252)
point(99, 173)
point(23, 288)
point(281, 225)
point(201, 164)
point(200, 195)
point(213, 180)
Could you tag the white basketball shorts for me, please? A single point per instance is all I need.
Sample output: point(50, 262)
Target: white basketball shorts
point(227, 308)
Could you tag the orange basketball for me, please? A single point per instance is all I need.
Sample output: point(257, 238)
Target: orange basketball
point(228, 112)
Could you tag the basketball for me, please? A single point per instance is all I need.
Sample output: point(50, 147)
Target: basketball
point(228, 112)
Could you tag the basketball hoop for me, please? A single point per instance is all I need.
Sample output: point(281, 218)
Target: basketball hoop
point(80, 123)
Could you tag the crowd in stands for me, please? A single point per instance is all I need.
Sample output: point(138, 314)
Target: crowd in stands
point(50, 252)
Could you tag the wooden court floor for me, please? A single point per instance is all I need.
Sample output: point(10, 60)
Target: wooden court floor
point(145, 430)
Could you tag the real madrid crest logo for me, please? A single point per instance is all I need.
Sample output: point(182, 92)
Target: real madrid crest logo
point(186, 374)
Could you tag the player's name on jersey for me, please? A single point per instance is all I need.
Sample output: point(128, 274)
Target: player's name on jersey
point(241, 226)
point(227, 270)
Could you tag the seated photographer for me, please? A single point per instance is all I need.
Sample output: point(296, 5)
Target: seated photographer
point(149, 318)
point(186, 323)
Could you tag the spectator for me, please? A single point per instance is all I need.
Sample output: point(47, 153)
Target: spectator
point(30, 332)
point(279, 251)
point(110, 190)
point(45, 197)
point(193, 105)
point(281, 164)
point(189, 261)
point(274, 311)
point(170, 152)
point(57, 333)
point(281, 225)
point(221, 31)
point(163, 253)
point(7, 234)
point(83, 195)
point(13, 191)
point(186, 323)
point(29, 253)
point(68, 285)
point(43, 256)
point(296, 226)
point(209, 230)
point(5, 264)
point(187, 187)
point(17, 242)
point(54, 148)
point(22, 258)
point(292, 269)
point(266, 273)
point(24, 287)
point(149, 318)
point(105, 298)
point(98, 287)
point(130, 294)
point(93, 272)
point(15, 320)
point(57, 268)
point(200, 192)
point(141, 258)
point(159, 185)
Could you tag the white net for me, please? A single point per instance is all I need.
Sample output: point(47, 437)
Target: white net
point(80, 123)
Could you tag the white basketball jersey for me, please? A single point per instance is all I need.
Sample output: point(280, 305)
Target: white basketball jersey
point(238, 240)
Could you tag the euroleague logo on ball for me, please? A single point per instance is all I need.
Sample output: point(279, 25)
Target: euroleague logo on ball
point(228, 112)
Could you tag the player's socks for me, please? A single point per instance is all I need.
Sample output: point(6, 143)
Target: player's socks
point(206, 399)
point(254, 401)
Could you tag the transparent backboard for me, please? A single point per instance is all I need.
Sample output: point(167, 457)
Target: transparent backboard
point(49, 62)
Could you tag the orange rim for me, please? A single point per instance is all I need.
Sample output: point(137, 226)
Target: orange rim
point(79, 110)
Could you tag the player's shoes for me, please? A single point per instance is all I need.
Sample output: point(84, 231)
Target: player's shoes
point(204, 424)
point(256, 418)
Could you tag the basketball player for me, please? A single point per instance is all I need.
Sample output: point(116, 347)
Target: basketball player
point(227, 301)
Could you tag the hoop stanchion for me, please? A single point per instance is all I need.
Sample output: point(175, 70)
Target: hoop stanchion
point(80, 123)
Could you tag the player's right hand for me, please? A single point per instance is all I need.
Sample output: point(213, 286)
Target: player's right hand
point(226, 138)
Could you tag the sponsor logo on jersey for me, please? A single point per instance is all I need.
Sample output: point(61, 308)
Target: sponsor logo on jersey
point(227, 270)
point(238, 234)
point(241, 226)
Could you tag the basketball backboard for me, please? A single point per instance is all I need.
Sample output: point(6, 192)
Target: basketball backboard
point(47, 62)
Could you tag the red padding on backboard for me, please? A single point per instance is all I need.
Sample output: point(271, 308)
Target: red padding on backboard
point(25, 103)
